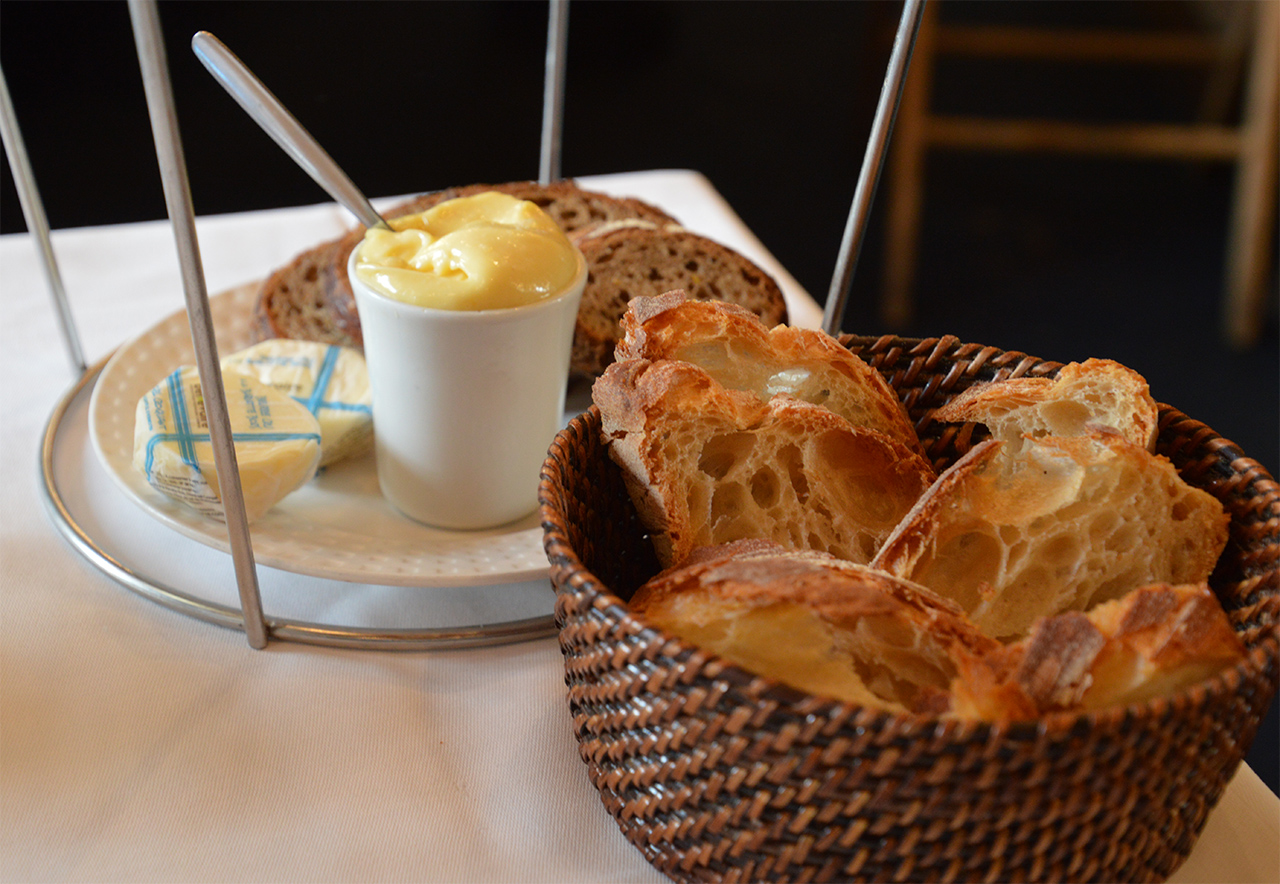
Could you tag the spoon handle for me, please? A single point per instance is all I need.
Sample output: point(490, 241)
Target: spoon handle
point(267, 111)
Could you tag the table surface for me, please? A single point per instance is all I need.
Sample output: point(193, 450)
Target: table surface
point(140, 744)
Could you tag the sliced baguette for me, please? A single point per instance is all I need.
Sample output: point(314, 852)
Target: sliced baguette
point(1084, 397)
point(705, 465)
point(627, 261)
point(1068, 523)
point(736, 348)
point(1153, 641)
point(819, 624)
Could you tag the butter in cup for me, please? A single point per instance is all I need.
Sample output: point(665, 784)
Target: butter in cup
point(490, 251)
point(467, 312)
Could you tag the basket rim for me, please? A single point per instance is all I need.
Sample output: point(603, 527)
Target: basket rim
point(567, 570)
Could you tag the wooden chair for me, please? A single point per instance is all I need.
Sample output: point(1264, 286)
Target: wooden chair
point(1248, 43)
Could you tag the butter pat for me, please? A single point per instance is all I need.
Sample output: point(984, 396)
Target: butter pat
point(329, 381)
point(277, 442)
point(490, 251)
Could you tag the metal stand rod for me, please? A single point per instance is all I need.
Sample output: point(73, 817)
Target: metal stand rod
point(38, 224)
point(872, 163)
point(173, 173)
point(553, 92)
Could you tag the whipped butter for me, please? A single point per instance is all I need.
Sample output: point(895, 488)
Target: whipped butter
point(490, 251)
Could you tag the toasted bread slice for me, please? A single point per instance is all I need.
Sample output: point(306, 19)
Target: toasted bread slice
point(627, 261)
point(819, 624)
point(1068, 523)
point(706, 465)
point(736, 348)
point(311, 298)
point(1153, 641)
point(1090, 396)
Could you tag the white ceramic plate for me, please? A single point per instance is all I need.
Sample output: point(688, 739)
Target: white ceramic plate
point(338, 526)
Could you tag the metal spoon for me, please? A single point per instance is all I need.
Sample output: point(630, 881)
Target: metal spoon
point(267, 111)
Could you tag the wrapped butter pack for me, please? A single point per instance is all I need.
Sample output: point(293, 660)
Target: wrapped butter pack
point(277, 442)
point(331, 381)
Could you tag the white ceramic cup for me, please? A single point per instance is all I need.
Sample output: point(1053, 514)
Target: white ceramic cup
point(465, 402)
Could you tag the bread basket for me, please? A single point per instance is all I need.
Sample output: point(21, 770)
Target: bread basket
point(718, 774)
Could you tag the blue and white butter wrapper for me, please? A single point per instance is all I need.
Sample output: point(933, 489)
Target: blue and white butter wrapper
point(277, 442)
point(332, 382)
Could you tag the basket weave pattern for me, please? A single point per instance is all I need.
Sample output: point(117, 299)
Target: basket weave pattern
point(718, 774)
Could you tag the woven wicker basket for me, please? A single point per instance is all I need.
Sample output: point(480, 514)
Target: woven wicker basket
point(718, 774)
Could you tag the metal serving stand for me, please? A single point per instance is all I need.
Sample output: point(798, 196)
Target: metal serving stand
point(250, 617)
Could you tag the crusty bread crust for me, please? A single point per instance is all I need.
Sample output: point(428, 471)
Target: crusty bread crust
point(706, 465)
point(628, 262)
point(1068, 523)
point(1097, 395)
point(1153, 641)
point(864, 636)
point(736, 348)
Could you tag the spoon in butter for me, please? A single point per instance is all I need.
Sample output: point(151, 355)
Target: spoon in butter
point(267, 111)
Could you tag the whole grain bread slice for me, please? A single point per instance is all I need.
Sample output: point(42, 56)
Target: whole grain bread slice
point(830, 627)
point(628, 261)
point(310, 299)
point(1066, 524)
point(292, 303)
point(736, 348)
point(707, 465)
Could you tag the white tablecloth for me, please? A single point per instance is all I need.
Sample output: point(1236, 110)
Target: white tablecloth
point(140, 744)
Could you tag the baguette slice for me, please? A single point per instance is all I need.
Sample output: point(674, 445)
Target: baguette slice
point(819, 624)
point(626, 261)
point(314, 301)
point(732, 345)
point(1154, 641)
point(1097, 394)
point(705, 465)
point(1068, 523)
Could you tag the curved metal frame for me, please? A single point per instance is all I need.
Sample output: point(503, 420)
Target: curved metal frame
point(331, 635)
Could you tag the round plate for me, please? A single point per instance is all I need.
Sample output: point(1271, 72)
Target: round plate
point(338, 526)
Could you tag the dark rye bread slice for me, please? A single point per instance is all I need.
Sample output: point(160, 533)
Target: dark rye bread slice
point(292, 302)
point(311, 298)
point(572, 207)
point(630, 260)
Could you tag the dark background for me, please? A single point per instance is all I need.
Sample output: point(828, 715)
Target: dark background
point(1062, 257)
